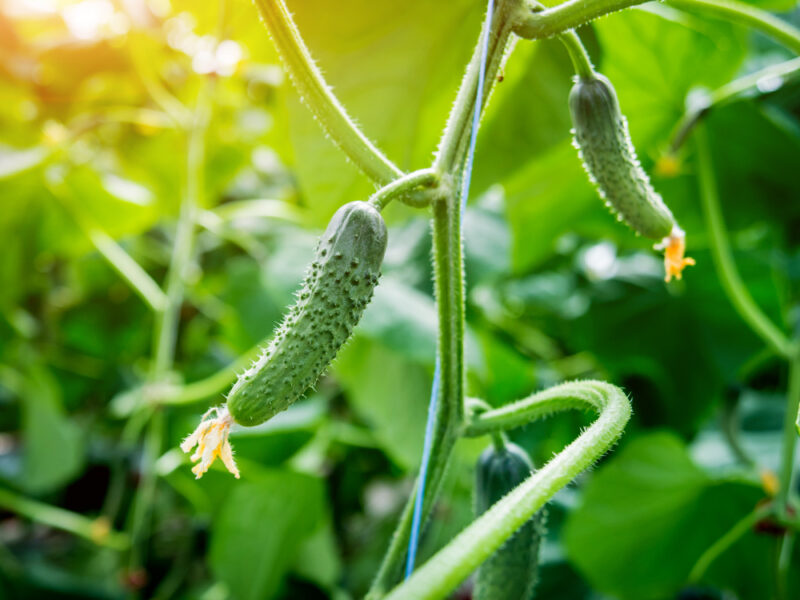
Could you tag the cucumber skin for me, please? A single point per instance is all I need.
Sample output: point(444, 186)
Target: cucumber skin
point(336, 290)
point(604, 144)
point(511, 572)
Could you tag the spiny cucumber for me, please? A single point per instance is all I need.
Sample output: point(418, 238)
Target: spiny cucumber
point(510, 573)
point(337, 288)
point(604, 144)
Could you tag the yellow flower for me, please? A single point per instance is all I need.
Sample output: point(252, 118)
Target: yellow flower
point(674, 247)
point(211, 439)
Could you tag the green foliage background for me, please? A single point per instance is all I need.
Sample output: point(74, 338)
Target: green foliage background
point(556, 290)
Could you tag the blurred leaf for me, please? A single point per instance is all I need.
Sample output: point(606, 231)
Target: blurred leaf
point(527, 114)
point(647, 516)
point(390, 393)
point(54, 446)
point(13, 161)
point(546, 200)
point(652, 84)
point(318, 558)
point(260, 530)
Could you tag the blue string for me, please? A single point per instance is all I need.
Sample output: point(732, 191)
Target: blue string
point(413, 540)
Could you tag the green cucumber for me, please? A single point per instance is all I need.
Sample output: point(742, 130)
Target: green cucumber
point(604, 144)
point(510, 573)
point(337, 288)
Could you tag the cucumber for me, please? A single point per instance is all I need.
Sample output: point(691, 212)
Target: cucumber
point(510, 573)
point(604, 145)
point(337, 288)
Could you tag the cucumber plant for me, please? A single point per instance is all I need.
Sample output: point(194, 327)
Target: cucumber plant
point(503, 539)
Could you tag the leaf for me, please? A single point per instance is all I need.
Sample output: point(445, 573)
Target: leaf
point(260, 530)
point(318, 558)
point(647, 516)
point(54, 447)
point(652, 83)
point(546, 200)
point(390, 393)
point(527, 114)
point(377, 58)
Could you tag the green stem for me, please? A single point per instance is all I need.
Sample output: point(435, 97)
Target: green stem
point(786, 547)
point(730, 431)
point(568, 396)
point(578, 55)
point(131, 271)
point(789, 436)
point(146, 490)
point(747, 15)
point(728, 92)
point(95, 530)
point(212, 385)
point(449, 271)
point(402, 187)
point(449, 285)
point(451, 565)
point(167, 323)
point(318, 96)
point(726, 541)
point(723, 259)
point(455, 137)
point(535, 24)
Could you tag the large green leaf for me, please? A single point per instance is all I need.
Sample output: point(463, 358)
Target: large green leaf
point(260, 530)
point(647, 516)
point(527, 114)
point(390, 393)
point(395, 67)
point(652, 83)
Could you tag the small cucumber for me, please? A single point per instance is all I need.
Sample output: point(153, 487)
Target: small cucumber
point(337, 287)
point(510, 573)
point(604, 144)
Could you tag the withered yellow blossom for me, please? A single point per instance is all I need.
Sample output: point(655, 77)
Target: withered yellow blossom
point(211, 439)
point(674, 247)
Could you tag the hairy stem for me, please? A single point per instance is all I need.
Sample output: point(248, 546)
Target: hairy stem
point(97, 531)
point(451, 565)
point(578, 55)
point(449, 285)
point(318, 96)
point(455, 137)
point(535, 24)
point(449, 273)
point(402, 187)
point(723, 258)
